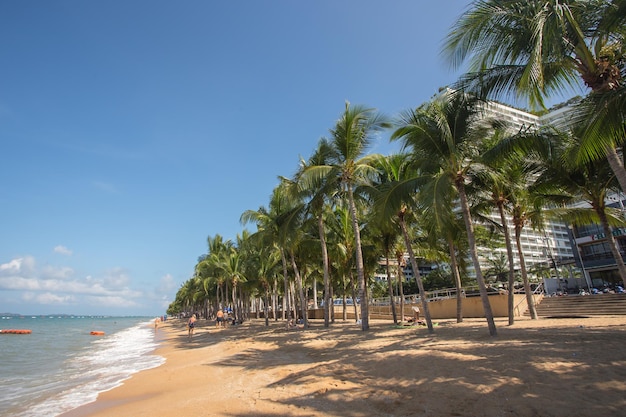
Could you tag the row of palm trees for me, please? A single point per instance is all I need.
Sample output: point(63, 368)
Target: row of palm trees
point(345, 208)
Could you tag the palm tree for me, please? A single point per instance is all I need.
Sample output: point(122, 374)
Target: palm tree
point(588, 182)
point(396, 192)
point(504, 181)
point(537, 47)
point(317, 191)
point(232, 265)
point(445, 135)
point(348, 167)
point(440, 221)
point(269, 223)
point(343, 253)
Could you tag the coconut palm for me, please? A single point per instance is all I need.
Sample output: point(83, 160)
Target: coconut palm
point(317, 192)
point(395, 195)
point(343, 251)
point(445, 136)
point(590, 182)
point(348, 167)
point(441, 222)
point(534, 48)
point(504, 182)
point(270, 227)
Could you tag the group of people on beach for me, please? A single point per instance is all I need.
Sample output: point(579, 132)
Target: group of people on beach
point(221, 317)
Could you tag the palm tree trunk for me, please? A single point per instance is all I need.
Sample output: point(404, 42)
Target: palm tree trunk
point(275, 299)
point(619, 261)
point(457, 280)
point(617, 166)
point(234, 299)
point(320, 226)
point(286, 307)
point(266, 312)
point(292, 300)
point(303, 304)
point(390, 288)
point(459, 183)
point(416, 273)
point(354, 298)
point(399, 280)
point(509, 253)
point(522, 263)
point(360, 269)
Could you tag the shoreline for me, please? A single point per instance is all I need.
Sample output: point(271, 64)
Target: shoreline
point(547, 367)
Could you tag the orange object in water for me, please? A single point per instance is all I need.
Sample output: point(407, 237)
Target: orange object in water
point(16, 331)
point(97, 333)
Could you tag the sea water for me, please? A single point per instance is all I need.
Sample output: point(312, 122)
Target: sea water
point(61, 366)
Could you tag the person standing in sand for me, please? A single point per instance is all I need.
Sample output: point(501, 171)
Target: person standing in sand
point(220, 318)
point(416, 314)
point(191, 325)
point(156, 323)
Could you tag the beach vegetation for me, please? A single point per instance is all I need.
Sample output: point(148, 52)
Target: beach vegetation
point(346, 212)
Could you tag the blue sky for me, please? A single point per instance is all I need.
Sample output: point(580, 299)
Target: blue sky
point(132, 131)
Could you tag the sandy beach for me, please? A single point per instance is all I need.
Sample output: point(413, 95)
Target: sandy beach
point(546, 367)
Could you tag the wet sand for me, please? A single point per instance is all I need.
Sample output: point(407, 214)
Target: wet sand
point(546, 367)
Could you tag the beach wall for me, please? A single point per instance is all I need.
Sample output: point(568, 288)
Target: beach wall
point(443, 309)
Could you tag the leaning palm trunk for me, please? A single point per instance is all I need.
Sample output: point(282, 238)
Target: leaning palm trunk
point(522, 262)
point(459, 183)
point(617, 166)
point(612, 244)
point(457, 281)
point(418, 278)
point(509, 253)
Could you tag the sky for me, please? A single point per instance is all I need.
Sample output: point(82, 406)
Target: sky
point(132, 131)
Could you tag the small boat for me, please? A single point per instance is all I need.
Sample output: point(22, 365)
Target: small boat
point(96, 333)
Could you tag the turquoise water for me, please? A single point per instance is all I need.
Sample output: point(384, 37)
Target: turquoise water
point(60, 366)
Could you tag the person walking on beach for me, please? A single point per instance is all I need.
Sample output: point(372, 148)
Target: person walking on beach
point(191, 325)
point(156, 323)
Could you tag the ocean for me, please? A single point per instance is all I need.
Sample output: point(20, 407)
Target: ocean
point(61, 366)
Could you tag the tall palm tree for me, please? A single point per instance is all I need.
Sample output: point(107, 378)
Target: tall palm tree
point(436, 205)
point(349, 166)
point(271, 226)
point(445, 136)
point(318, 190)
point(534, 48)
point(396, 192)
point(344, 254)
point(504, 181)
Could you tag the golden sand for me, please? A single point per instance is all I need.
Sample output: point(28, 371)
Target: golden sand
point(545, 367)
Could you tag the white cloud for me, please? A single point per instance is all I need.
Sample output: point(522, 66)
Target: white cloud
point(167, 283)
point(54, 285)
point(20, 266)
point(116, 278)
point(112, 301)
point(62, 250)
point(49, 298)
point(56, 272)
